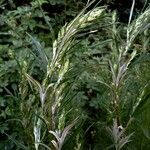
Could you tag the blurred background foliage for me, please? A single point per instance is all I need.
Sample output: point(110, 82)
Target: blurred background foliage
point(88, 98)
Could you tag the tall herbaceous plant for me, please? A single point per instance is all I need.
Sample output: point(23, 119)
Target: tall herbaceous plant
point(52, 88)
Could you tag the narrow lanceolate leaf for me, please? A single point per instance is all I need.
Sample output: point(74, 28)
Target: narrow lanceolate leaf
point(55, 144)
point(34, 82)
point(61, 135)
point(140, 99)
point(41, 90)
point(66, 132)
point(40, 52)
point(56, 135)
point(123, 141)
point(44, 145)
point(118, 136)
point(131, 11)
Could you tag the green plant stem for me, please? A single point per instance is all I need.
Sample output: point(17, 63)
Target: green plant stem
point(117, 105)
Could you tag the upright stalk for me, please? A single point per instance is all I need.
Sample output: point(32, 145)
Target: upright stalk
point(116, 102)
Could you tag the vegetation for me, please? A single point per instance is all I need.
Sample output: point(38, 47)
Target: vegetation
point(74, 77)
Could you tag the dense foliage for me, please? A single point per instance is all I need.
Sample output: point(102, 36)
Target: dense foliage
point(74, 75)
